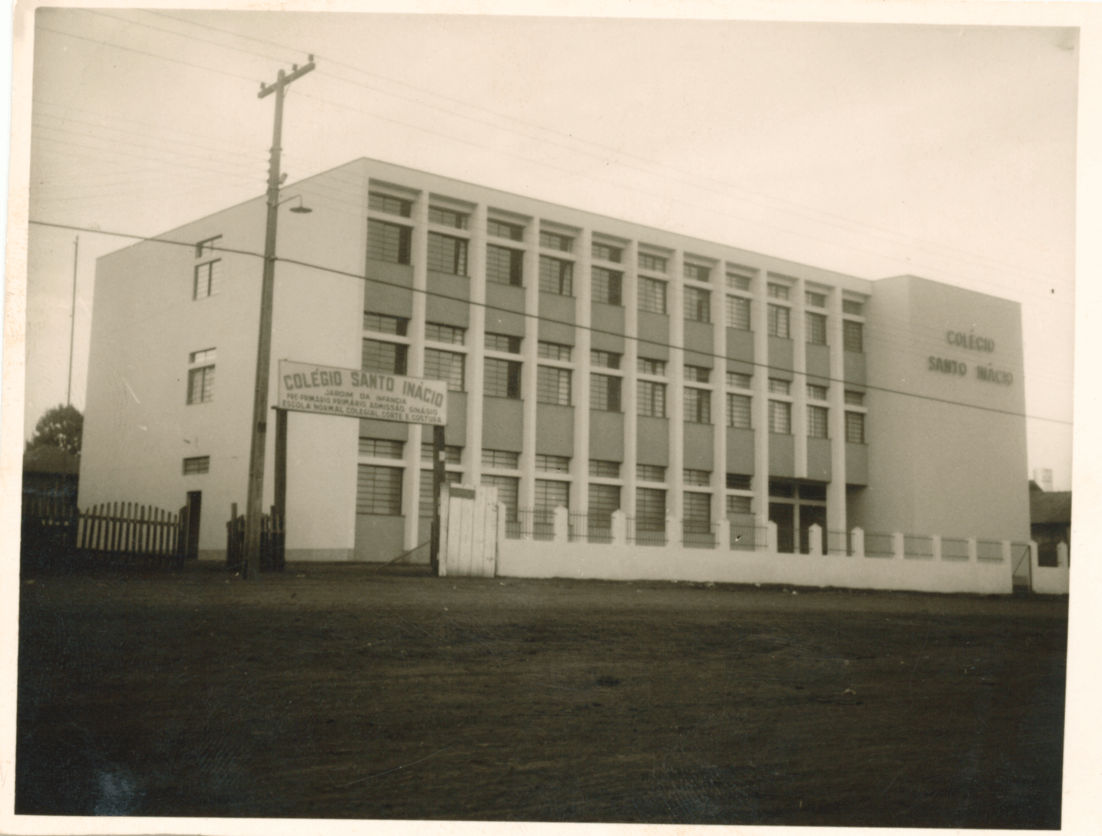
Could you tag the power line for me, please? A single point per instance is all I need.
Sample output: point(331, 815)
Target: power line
point(541, 318)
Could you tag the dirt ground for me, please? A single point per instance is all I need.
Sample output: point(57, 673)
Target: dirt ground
point(353, 691)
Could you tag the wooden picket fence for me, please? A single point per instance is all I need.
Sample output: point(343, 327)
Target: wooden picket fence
point(272, 540)
point(57, 533)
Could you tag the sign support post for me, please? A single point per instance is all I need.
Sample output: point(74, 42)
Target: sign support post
point(438, 457)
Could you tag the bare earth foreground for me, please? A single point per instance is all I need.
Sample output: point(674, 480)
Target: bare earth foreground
point(352, 691)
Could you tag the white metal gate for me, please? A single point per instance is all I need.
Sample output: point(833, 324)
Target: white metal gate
point(468, 530)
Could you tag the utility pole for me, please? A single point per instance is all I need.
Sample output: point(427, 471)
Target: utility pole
point(73, 323)
point(255, 494)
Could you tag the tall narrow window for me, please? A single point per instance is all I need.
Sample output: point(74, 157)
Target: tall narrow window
point(697, 516)
point(200, 385)
point(379, 490)
point(502, 378)
point(604, 501)
point(651, 400)
point(553, 385)
point(207, 278)
point(698, 305)
point(816, 421)
point(853, 336)
point(650, 509)
point(778, 321)
point(604, 393)
point(504, 266)
point(652, 295)
point(607, 286)
point(780, 417)
point(556, 276)
point(816, 327)
point(738, 313)
point(855, 427)
point(698, 406)
point(388, 242)
point(447, 254)
point(738, 411)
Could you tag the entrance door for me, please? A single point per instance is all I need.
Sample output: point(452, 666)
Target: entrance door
point(782, 514)
point(194, 506)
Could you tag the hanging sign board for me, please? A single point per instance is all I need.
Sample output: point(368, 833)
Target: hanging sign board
point(353, 393)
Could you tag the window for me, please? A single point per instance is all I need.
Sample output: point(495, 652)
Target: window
point(453, 454)
point(604, 500)
point(552, 464)
point(779, 387)
point(424, 505)
point(447, 217)
point(385, 324)
point(604, 393)
point(698, 306)
point(388, 203)
point(778, 291)
point(738, 380)
point(696, 477)
point(502, 229)
point(738, 481)
point(698, 406)
point(553, 385)
point(738, 313)
point(379, 490)
point(607, 252)
point(550, 495)
point(388, 242)
point(697, 374)
point(207, 246)
point(853, 336)
point(816, 327)
point(816, 392)
point(502, 378)
point(655, 367)
point(200, 385)
point(697, 512)
point(738, 411)
point(655, 263)
point(739, 505)
point(503, 459)
point(650, 509)
point(504, 266)
point(438, 332)
point(817, 422)
point(556, 276)
point(815, 300)
point(778, 321)
point(854, 398)
point(207, 279)
point(554, 241)
point(604, 359)
point(698, 272)
point(196, 464)
point(204, 356)
point(652, 295)
point(446, 365)
point(553, 351)
point(604, 469)
point(737, 281)
point(381, 448)
point(384, 357)
point(780, 417)
point(507, 492)
point(447, 254)
point(851, 306)
point(607, 286)
point(650, 473)
point(503, 342)
point(855, 427)
point(652, 399)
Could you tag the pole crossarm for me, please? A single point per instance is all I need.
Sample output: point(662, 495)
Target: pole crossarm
point(259, 433)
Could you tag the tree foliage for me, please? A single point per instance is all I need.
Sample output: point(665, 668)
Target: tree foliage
point(62, 427)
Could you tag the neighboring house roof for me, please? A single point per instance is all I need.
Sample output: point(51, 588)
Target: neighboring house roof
point(51, 460)
point(1050, 507)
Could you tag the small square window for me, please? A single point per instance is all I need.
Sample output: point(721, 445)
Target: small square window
point(447, 217)
point(607, 252)
point(555, 241)
point(503, 229)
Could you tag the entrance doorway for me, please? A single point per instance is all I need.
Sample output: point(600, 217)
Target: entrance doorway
point(191, 524)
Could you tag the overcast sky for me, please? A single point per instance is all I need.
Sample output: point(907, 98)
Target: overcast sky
point(944, 151)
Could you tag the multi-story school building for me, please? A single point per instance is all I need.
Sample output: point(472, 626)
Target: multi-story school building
point(591, 363)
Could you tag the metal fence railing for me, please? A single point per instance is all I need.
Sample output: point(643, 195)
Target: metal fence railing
point(586, 529)
point(879, 545)
point(699, 536)
point(749, 537)
point(838, 543)
point(646, 532)
point(990, 551)
point(918, 546)
point(954, 548)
